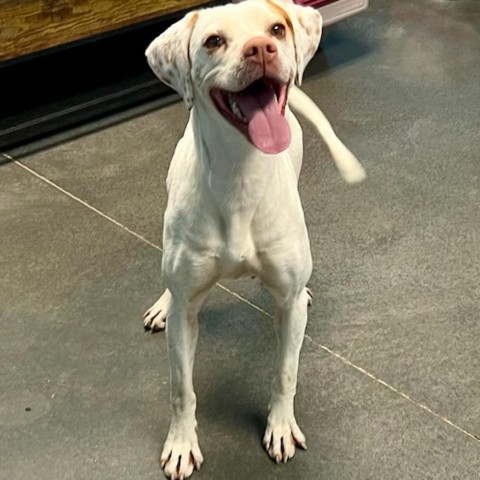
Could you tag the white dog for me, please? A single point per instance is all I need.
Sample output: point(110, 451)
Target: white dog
point(233, 204)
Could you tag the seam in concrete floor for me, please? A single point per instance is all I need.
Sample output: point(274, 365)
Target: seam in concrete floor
point(343, 359)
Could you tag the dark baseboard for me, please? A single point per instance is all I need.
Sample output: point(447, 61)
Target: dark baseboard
point(61, 88)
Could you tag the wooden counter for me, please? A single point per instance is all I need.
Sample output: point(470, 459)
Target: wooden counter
point(27, 26)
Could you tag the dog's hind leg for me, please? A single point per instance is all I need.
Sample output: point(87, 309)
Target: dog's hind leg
point(282, 433)
point(155, 317)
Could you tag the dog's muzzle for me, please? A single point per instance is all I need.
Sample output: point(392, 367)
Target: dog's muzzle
point(258, 112)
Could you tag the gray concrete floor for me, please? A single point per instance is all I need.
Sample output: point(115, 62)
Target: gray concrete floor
point(389, 378)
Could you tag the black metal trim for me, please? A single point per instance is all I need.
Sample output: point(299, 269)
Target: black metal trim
point(65, 86)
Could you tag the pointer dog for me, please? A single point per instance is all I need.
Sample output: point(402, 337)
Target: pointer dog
point(233, 204)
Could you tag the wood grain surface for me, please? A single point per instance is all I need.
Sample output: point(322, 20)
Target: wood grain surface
point(31, 25)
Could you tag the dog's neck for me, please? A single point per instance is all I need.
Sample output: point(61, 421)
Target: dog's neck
point(236, 173)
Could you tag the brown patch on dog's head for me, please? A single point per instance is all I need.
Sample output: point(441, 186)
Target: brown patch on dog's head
point(278, 9)
point(305, 25)
point(192, 20)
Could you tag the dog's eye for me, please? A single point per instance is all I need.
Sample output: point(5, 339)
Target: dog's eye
point(278, 30)
point(214, 41)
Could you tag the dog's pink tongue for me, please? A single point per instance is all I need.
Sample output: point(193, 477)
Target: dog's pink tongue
point(267, 128)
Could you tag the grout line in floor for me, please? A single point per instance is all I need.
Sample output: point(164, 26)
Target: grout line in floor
point(85, 204)
point(392, 388)
point(244, 300)
point(6, 158)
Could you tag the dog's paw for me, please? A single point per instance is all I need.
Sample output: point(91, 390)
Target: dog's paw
point(155, 317)
point(309, 296)
point(181, 455)
point(281, 437)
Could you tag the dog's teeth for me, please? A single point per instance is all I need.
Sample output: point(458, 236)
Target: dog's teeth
point(236, 110)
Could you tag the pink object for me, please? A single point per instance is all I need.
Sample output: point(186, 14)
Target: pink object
point(311, 3)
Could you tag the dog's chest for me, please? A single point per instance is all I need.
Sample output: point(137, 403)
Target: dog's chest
point(234, 266)
point(236, 254)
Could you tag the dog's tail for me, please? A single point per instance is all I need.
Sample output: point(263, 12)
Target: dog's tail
point(346, 162)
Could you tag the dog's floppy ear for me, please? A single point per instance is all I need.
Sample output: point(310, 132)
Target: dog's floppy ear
point(306, 23)
point(168, 56)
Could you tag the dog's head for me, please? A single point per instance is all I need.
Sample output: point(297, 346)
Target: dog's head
point(242, 59)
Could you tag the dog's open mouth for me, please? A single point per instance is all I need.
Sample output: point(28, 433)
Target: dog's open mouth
point(258, 112)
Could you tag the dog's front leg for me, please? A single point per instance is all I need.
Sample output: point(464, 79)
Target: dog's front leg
point(282, 432)
point(181, 453)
